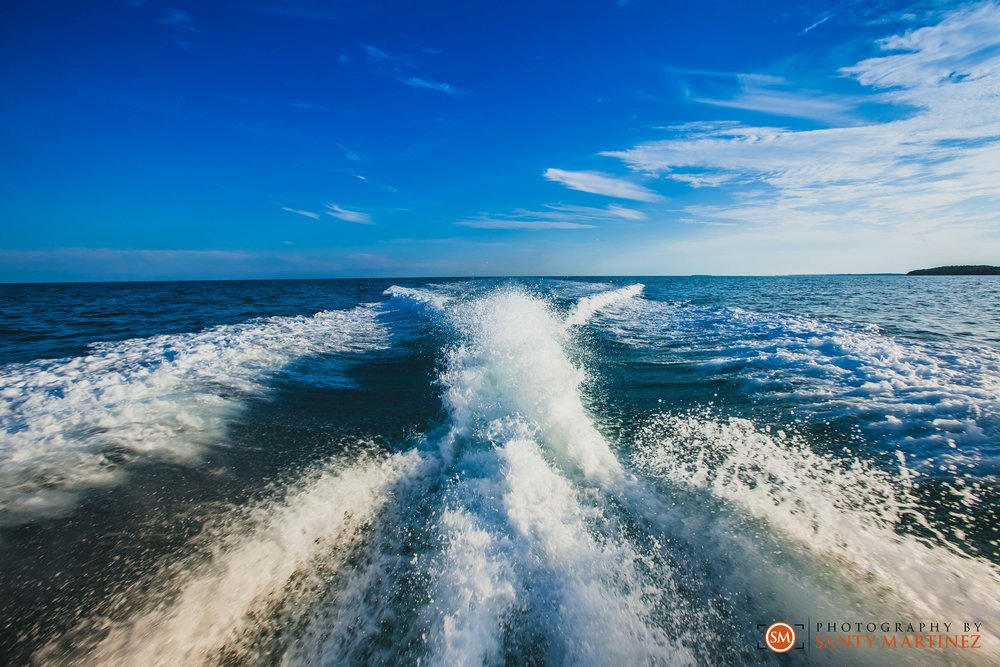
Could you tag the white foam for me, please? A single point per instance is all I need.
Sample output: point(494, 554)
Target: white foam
point(202, 609)
point(511, 363)
point(425, 297)
point(68, 424)
point(476, 589)
point(847, 512)
point(946, 395)
point(606, 607)
point(588, 306)
point(522, 512)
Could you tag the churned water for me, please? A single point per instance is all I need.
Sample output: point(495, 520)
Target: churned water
point(526, 471)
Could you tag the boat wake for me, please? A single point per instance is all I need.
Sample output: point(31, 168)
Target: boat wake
point(519, 532)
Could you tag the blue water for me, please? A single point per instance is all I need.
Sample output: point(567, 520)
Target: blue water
point(544, 471)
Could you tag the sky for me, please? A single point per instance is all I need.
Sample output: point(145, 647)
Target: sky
point(170, 139)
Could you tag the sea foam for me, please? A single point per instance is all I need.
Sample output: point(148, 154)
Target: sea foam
point(70, 424)
point(847, 512)
point(260, 567)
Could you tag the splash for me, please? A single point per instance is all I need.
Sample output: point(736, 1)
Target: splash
point(277, 553)
point(69, 425)
point(511, 364)
point(423, 297)
point(527, 525)
point(865, 519)
point(925, 397)
point(588, 306)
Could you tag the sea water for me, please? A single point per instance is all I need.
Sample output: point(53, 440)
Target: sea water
point(525, 471)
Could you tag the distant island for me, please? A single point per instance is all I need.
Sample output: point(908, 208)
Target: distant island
point(965, 270)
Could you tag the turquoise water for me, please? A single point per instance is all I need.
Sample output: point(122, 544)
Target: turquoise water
point(549, 471)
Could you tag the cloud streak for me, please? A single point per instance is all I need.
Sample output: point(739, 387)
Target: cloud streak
point(555, 216)
point(401, 67)
point(816, 24)
point(769, 99)
point(307, 214)
point(356, 217)
point(417, 82)
point(530, 225)
point(602, 184)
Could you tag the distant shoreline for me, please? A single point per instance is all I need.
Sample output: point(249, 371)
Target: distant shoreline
point(963, 270)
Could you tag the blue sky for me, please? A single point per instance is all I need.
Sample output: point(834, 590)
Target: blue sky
point(169, 139)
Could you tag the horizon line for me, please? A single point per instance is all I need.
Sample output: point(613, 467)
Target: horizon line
point(447, 277)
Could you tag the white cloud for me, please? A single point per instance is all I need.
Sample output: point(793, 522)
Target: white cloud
point(808, 104)
point(531, 225)
point(555, 216)
point(613, 211)
point(365, 179)
point(349, 216)
point(601, 184)
point(348, 153)
point(417, 82)
point(308, 214)
point(932, 174)
point(402, 65)
point(816, 24)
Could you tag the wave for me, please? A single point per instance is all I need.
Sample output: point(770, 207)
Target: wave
point(588, 306)
point(926, 397)
point(866, 520)
point(260, 569)
point(70, 424)
point(422, 297)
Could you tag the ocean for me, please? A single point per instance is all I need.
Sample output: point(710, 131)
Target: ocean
point(584, 471)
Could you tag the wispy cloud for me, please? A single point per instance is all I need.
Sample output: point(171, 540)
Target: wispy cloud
point(529, 225)
point(308, 214)
point(381, 186)
point(749, 77)
point(602, 184)
point(807, 104)
point(611, 212)
point(379, 56)
point(304, 105)
point(348, 153)
point(769, 94)
point(349, 216)
point(177, 17)
point(401, 67)
point(417, 82)
point(931, 173)
point(554, 216)
point(816, 24)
